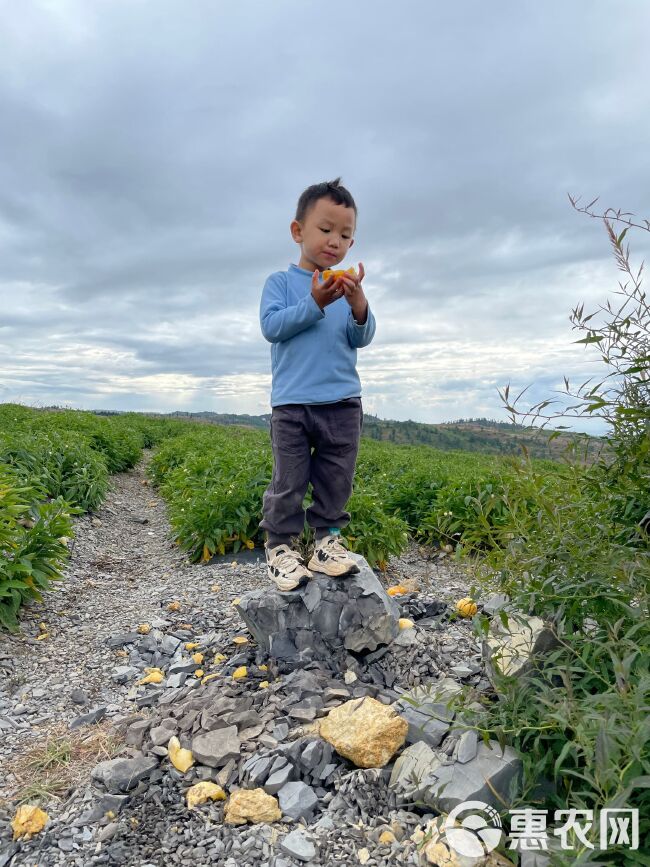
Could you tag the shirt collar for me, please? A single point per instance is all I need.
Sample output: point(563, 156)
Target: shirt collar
point(295, 268)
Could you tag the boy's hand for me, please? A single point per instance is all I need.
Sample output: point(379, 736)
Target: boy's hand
point(324, 293)
point(354, 293)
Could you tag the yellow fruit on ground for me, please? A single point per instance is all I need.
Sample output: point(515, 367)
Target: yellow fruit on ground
point(396, 590)
point(466, 607)
point(202, 792)
point(180, 758)
point(240, 672)
point(144, 629)
point(174, 606)
point(197, 658)
point(263, 684)
point(155, 675)
point(405, 623)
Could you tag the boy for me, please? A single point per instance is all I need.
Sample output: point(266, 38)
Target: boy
point(315, 328)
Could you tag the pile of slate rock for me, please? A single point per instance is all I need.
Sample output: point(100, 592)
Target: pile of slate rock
point(258, 730)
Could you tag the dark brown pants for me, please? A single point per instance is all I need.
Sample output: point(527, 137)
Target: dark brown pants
point(315, 443)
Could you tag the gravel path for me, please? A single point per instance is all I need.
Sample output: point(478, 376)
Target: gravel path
point(124, 571)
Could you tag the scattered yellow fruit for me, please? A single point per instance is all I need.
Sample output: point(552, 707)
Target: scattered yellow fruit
point(42, 636)
point(42, 627)
point(386, 837)
point(144, 629)
point(199, 672)
point(396, 590)
point(405, 623)
point(198, 658)
point(174, 606)
point(191, 645)
point(134, 822)
point(240, 639)
point(264, 684)
point(155, 676)
point(110, 814)
point(240, 672)
point(215, 588)
point(210, 677)
point(263, 667)
point(202, 792)
point(29, 820)
point(236, 601)
point(180, 758)
point(219, 657)
point(233, 564)
point(466, 607)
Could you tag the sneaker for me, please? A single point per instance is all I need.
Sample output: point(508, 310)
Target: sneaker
point(285, 568)
point(332, 558)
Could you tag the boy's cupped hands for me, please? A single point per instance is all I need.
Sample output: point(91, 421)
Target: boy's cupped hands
point(335, 287)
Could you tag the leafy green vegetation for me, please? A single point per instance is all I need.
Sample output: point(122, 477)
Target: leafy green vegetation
point(54, 465)
point(582, 561)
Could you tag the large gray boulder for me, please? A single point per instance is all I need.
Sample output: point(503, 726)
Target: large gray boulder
point(123, 774)
point(515, 647)
point(420, 774)
point(326, 617)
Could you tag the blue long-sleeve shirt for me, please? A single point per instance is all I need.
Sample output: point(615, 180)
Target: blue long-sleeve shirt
point(313, 351)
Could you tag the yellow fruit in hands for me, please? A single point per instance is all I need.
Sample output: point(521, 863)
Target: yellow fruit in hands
point(466, 607)
point(331, 273)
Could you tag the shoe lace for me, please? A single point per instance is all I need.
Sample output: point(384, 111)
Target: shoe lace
point(335, 546)
point(288, 557)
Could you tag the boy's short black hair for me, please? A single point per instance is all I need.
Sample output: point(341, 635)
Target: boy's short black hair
point(328, 189)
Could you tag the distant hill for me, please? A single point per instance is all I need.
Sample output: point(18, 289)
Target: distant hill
point(470, 435)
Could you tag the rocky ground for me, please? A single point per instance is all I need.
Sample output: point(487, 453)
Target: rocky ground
point(69, 694)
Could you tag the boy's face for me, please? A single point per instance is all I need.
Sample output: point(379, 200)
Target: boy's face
point(325, 235)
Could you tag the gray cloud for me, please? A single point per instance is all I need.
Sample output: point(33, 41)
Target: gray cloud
point(152, 155)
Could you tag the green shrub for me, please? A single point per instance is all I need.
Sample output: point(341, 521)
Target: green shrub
point(31, 548)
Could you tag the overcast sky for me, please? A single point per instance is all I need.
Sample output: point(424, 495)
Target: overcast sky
point(152, 154)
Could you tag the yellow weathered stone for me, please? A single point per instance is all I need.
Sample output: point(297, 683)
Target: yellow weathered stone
point(202, 792)
point(251, 805)
point(365, 731)
point(28, 820)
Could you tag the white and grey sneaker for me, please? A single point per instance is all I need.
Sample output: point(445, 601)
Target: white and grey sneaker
point(285, 568)
point(331, 557)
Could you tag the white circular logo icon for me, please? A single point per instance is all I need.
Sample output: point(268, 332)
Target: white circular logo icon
point(476, 834)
